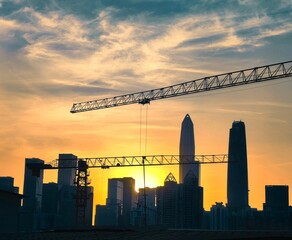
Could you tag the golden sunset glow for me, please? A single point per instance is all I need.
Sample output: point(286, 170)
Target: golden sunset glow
point(52, 58)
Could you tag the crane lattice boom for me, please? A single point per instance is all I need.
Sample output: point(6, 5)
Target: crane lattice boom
point(151, 160)
point(237, 78)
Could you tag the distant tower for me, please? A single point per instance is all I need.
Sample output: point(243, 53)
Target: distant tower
point(187, 147)
point(237, 178)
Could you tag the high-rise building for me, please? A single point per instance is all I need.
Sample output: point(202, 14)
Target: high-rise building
point(237, 178)
point(66, 217)
point(121, 192)
point(147, 210)
point(187, 148)
point(120, 200)
point(66, 175)
point(129, 198)
point(115, 192)
point(114, 204)
point(32, 191)
point(180, 205)
point(276, 208)
point(49, 205)
point(169, 202)
point(190, 203)
point(66, 213)
point(111, 213)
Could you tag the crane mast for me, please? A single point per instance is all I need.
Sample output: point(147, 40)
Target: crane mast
point(225, 80)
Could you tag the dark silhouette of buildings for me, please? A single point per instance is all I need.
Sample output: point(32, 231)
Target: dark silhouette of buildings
point(66, 176)
point(218, 217)
point(169, 202)
point(237, 178)
point(10, 206)
point(119, 203)
point(129, 200)
point(276, 208)
point(53, 205)
point(187, 147)
point(32, 202)
point(145, 212)
point(173, 205)
point(7, 184)
point(66, 213)
point(190, 203)
point(49, 205)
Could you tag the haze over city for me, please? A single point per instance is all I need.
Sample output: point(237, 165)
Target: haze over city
point(54, 53)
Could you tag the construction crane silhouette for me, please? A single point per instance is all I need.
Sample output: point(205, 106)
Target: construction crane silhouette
point(221, 81)
point(83, 164)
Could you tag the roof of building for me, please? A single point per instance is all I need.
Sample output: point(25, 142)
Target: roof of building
point(11, 193)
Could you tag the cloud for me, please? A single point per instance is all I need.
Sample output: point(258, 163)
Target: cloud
point(71, 52)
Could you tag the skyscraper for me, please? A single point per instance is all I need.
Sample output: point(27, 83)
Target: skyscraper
point(129, 199)
point(237, 178)
point(49, 205)
point(66, 175)
point(187, 147)
point(111, 213)
point(170, 203)
point(66, 191)
point(32, 202)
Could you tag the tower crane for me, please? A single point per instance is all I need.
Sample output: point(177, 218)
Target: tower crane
point(221, 81)
point(225, 80)
point(83, 164)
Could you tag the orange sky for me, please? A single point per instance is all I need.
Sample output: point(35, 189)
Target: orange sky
point(53, 56)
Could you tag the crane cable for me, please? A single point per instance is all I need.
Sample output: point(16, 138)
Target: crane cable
point(146, 130)
point(140, 129)
point(145, 149)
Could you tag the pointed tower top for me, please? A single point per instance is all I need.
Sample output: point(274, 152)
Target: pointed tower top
point(187, 119)
point(170, 178)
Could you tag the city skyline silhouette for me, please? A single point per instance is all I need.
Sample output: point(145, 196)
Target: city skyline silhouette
point(55, 54)
point(174, 205)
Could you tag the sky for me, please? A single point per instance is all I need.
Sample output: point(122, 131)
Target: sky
point(54, 53)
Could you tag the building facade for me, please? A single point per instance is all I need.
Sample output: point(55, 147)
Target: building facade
point(66, 176)
point(32, 201)
point(187, 150)
point(237, 175)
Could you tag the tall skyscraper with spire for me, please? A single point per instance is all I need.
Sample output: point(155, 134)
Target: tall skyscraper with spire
point(237, 178)
point(187, 147)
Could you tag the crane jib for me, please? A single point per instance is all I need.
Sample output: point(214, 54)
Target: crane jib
point(231, 79)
